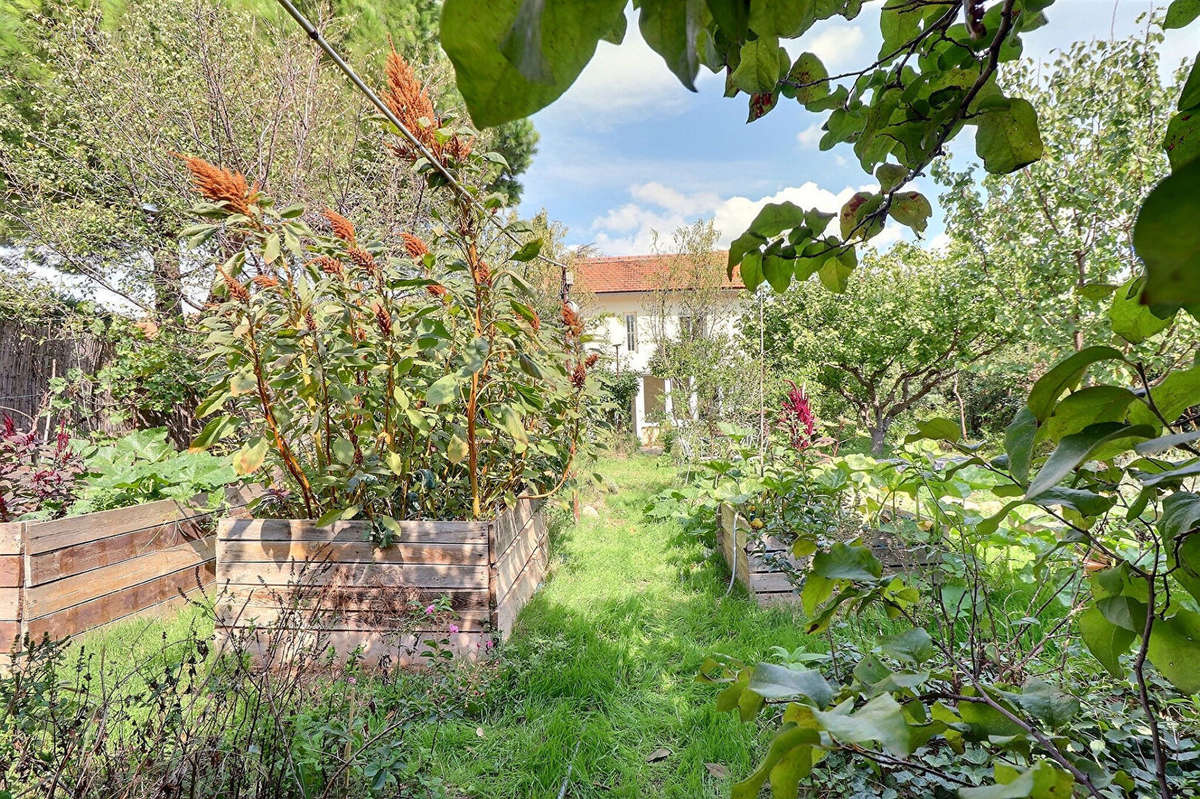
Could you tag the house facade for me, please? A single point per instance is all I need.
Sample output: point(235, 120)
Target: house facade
point(630, 308)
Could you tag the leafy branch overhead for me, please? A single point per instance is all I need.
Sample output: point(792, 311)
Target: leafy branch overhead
point(935, 74)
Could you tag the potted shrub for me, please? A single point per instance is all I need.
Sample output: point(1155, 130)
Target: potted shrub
point(408, 401)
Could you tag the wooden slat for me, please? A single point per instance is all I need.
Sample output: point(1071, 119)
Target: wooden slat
point(10, 571)
point(10, 633)
point(510, 523)
point(768, 599)
point(230, 614)
point(460, 599)
point(354, 574)
point(120, 604)
point(45, 536)
point(89, 555)
point(403, 650)
point(350, 552)
point(769, 581)
point(421, 532)
point(512, 562)
point(10, 604)
point(61, 594)
point(510, 605)
point(10, 537)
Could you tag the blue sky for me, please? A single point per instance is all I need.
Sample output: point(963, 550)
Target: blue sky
point(627, 150)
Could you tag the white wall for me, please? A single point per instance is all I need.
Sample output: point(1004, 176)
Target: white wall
point(611, 330)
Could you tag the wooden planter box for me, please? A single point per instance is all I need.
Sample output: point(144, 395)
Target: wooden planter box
point(335, 589)
point(768, 585)
point(66, 576)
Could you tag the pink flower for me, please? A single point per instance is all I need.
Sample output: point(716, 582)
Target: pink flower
point(453, 629)
point(488, 644)
point(429, 610)
point(353, 681)
point(796, 417)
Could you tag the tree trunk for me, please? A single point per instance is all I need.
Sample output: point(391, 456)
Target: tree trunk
point(879, 433)
point(167, 284)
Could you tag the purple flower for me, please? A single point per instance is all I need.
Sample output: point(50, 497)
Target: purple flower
point(453, 629)
point(429, 610)
point(353, 681)
point(488, 644)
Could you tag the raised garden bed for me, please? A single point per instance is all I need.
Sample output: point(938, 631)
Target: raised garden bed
point(332, 588)
point(63, 577)
point(749, 556)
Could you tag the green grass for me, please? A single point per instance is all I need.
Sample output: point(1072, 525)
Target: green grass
point(604, 658)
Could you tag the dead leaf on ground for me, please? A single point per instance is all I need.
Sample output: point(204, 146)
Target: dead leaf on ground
point(717, 770)
point(658, 754)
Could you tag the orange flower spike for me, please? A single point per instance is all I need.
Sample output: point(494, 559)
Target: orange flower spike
point(236, 289)
point(406, 98)
point(265, 281)
point(343, 228)
point(414, 247)
point(221, 185)
point(330, 266)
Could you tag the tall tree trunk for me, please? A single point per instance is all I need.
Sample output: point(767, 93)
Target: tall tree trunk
point(879, 433)
point(168, 284)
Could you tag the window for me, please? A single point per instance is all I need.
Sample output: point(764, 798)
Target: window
point(631, 342)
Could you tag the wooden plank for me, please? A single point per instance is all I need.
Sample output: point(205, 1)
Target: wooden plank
point(510, 605)
point(510, 523)
point(776, 598)
point(120, 604)
point(61, 594)
point(10, 635)
point(374, 648)
point(539, 548)
point(89, 555)
point(10, 603)
point(512, 562)
point(45, 536)
point(234, 614)
point(10, 537)
point(366, 599)
point(353, 574)
point(350, 552)
point(10, 571)
point(769, 581)
point(420, 532)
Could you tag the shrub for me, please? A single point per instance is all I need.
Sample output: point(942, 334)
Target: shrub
point(37, 479)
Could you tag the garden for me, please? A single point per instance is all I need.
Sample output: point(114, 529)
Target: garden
point(320, 472)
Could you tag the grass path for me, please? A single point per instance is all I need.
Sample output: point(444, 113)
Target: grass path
point(605, 658)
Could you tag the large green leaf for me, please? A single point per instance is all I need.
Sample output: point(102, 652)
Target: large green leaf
point(761, 65)
point(911, 209)
point(882, 719)
point(1008, 137)
point(779, 682)
point(1130, 319)
point(1043, 781)
point(1181, 13)
point(778, 272)
point(551, 41)
point(1175, 650)
point(1047, 703)
point(1167, 238)
point(1105, 640)
point(1076, 449)
point(783, 743)
point(670, 27)
point(938, 428)
point(1084, 407)
point(443, 390)
point(808, 69)
point(783, 18)
point(1179, 527)
point(1065, 374)
point(774, 218)
point(846, 562)
point(1018, 442)
point(1177, 392)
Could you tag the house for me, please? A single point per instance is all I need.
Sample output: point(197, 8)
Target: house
point(636, 301)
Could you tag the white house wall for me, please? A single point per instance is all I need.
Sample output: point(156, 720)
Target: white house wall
point(610, 310)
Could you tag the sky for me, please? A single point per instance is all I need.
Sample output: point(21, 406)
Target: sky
point(628, 151)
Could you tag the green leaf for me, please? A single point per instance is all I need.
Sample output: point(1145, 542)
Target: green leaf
point(671, 27)
point(784, 18)
point(1175, 650)
point(778, 272)
point(1018, 442)
point(1177, 392)
point(881, 719)
point(214, 431)
point(1076, 449)
point(510, 419)
point(844, 561)
point(528, 251)
point(456, 450)
point(808, 69)
point(477, 34)
point(443, 390)
point(1161, 444)
point(938, 428)
point(1130, 319)
point(1178, 527)
point(912, 210)
point(774, 218)
point(1008, 137)
point(751, 270)
point(1047, 702)
point(250, 457)
point(781, 745)
point(343, 451)
point(835, 272)
point(271, 248)
point(1085, 503)
point(890, 176)
point(912, 646)
point(759, 69)
point(1181, 13)
point(772, 682)
point(1084, 407)
point(1182, 138)
point(1167, 239)
point(1105, 640)
point(1066, 374)
point(1043, 781)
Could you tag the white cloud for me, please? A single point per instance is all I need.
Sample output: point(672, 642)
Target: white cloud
point(837, 45)
point(810, 137)
point(630, 229)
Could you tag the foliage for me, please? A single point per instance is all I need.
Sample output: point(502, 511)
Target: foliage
point(143, 466)
point(37, 479)
point(617, 391)
point(935, 75)
point(917, 320)
point(416, 387)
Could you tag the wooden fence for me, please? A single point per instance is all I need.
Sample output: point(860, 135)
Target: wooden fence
point(63, 577)
point(31, 355)
point(335, 589)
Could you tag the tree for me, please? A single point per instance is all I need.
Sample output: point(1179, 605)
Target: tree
point(905, 327)
point(936, 74)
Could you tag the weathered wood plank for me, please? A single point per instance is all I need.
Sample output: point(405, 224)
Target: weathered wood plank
point(512, 562)
point(374, 648)
point(10, 635)
point(10, 604)
point(120, 604)
point(420, 532)
point(71, 530)
point(10, 571)
point(366, 599)
point(10, 537)
point(82, 557)
point(350, 552)
point(61, 594)
point(510, 605)
point(233, 614)
point(769, 581)
point(354, 574)
point(511, 522)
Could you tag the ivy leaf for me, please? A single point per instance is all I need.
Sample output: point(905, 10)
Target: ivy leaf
point(671, 27)
point(1076, 449)
point(1105, 640)
point(771, 681)
point(1167, 239)
point(1008, 137)
point(479, 36)
point(1175, 650)
point(759, 68)
point(911, 209)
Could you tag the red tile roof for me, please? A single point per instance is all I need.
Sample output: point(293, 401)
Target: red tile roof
point(633, 273)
